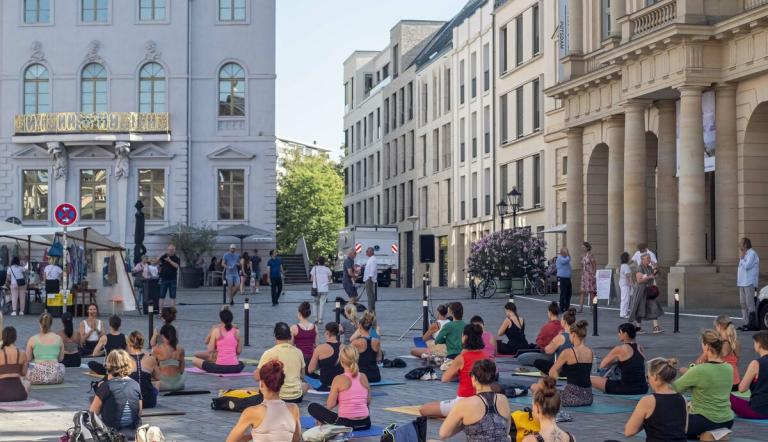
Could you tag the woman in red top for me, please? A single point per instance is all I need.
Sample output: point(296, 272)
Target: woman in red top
point(461, 367)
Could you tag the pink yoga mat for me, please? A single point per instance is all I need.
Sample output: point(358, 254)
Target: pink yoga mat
point(221, 375)
point(28, 405)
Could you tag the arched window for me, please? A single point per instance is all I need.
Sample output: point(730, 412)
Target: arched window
point(93, 89)
point(36, 89)
point(231, 91)
point(152, 88)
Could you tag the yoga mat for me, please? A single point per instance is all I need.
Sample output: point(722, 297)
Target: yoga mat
point(308, 422)
point(408, 357)
point(753, 421)
point(247, 361)
point(94, 375)
point(52, 387)
point(419, 342)
point(28, 405)
point(629, 397)
point(411, 410)
point(221, 375)
point(314, 383)
point(533, 374)
point(326, 393)
point(186, 392)
point(593, 409)
point(384, 383)
point(156, 412)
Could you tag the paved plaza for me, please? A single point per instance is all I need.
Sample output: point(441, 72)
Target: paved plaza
point(397, 309)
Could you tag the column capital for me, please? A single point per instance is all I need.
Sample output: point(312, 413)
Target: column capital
point(690, 90)
point(725, 89)
point(573, 132)
point(665, 106)
point(614, 120)
point(635, 105)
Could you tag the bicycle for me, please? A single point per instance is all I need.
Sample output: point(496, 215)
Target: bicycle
point(486, 288)
point(531, 287)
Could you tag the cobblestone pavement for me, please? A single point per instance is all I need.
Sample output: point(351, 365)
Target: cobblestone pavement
point(398, 308)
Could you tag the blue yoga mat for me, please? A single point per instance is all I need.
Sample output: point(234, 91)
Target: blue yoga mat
point(593, 409)
point(314, 383)
point(629, 397)
point(308, 422)
point(753, 421)
point(419, 342)
point(384, 383)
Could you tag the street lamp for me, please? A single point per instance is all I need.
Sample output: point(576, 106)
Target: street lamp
point(509, 207)
point(502, 209)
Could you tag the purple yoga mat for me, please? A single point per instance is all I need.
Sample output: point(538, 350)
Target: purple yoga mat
point(221, 375)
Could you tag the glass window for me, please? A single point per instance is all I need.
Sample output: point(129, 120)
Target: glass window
point(37, 11)
point(152, 10)
point(35, 195)
point(519, 40)
point(152, 193)
point(36, 89)
point(93, 194)
point(231, 10)
point(504, 131)
point(536, 31)
point(605, 19)
point(231, 91)
point(93, 90)
point(536, 105)
point(94, 11)
point(152, 88)
point(503, 49)
point(231, 194)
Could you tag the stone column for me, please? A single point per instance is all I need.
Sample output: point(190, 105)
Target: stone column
point(726, 185)
point(618, 10)
point(615, 138)
point(635, 198)
point(575, 27)
point(574, 193)
point(666, 190)
point(691, 194)
point(122, 169)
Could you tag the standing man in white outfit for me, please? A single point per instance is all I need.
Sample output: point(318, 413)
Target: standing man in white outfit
point(642, 249)
point(321, 278)
point(625, 285)
point(746, 279)
point(370, 278)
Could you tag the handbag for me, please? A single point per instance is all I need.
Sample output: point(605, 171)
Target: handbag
point(523, 424)
point(313, 291)
point(322, 433)
point(236, 400)
point(21, 282)
point(147, 433)
point(90, 428)
point(414, 431)
point(651, 292)
point(57, 249)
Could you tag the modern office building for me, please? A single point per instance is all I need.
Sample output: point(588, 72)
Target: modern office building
point(286, 149)
point(106, 102)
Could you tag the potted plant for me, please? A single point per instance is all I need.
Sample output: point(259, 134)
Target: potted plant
point(509, 255)
point(193, 243)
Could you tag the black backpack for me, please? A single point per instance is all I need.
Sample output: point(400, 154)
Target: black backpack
point(90, 428)
point(414, 431)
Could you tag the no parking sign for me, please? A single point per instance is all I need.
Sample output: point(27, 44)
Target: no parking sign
point(65, 214)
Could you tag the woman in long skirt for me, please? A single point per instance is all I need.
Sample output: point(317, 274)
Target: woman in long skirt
point(588, 276)
point(642, 307)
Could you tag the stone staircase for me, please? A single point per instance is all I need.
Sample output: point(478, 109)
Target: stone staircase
point(295, 271)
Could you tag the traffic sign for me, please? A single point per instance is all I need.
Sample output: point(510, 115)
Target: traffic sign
point(65, 214)
point(394, 248)
point(358, 248)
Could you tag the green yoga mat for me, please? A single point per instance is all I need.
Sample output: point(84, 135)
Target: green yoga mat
point(53, 387)
point(593, 409)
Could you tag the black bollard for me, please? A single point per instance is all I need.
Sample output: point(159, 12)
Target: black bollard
point(594, 316)
point(677, 311)
point(151, 317)
point(246, 322)
point(425, 304)
point(338, 312)
point(224, 291)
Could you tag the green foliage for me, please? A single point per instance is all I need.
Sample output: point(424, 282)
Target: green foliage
point(193, 243)
point(310, 202)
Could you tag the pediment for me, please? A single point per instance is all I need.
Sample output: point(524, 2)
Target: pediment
point(91, 152)
point(230, 153)
point(31, 152)
point(152, 151)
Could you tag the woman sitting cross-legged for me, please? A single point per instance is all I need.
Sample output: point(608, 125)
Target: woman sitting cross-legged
point(432, 331)
point(731, 348)
point(304, 333)
point(576, 365)
point(484, 416)
point(489, 341)
point(273, 419)
point(350, 391)
point(225, 341)
point(147, 371)
point(546, 405)
point(368, 347)
point(461, 367)
point(513, 327)
point(71, 340)
point(326, 357)
point(13, 368)
point(91, 331)
point(630, 361)
point(46, 350)
point(114, 340)
point(663, 414)
point(170, 359)
point(118, 400)
point(756, 381)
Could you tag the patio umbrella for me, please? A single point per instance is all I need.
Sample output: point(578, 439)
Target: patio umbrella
point(138, 234)
point(243, 231)
point(170, 230)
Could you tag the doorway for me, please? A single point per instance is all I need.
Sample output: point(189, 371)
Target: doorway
point(409, 259)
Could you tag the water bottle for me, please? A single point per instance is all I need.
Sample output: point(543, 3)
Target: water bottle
point(595, 364)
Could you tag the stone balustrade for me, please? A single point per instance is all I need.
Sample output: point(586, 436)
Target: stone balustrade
point(653, 17)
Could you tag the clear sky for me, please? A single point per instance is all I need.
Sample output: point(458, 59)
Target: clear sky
point(314, 37)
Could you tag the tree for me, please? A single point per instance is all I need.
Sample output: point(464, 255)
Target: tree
point(310, 202)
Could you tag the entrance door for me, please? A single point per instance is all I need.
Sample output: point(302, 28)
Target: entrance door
point(461, 264)
point(409, 259)
point(443, 261)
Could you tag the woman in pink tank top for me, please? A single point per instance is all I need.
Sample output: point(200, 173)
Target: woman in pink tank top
point(304, 334)
point(489, 340)
point(350, 391)
point(225, 341)
point(273, 420)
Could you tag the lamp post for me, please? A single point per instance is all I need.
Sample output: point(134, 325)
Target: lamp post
point(509, 207)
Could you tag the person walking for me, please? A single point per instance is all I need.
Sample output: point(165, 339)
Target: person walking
point(563, 264)
point(625, 285)
point(746, 279)
point(245, 272)
point(588, 275)
point(321, 279)
point(276, 272)
point(370, 278)
point(643, 306)
point(16, 280)
point(349, 276)
point(230, 262)
point(169, 273)
point(256, 270)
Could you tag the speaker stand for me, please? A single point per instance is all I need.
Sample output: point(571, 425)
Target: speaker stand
point(426, 303)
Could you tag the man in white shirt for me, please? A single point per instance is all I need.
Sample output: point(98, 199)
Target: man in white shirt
point(52, 278)
point(370, 278)
point(641, 249)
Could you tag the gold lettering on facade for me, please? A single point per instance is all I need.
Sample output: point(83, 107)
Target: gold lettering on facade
point(101, 122)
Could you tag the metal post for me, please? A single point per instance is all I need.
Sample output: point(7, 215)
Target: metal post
point(425, 302)
point(224, 290)
point(677, 311)
point(246, 322)
point(594, 316)
point(65, 259)
point(338, 311)
point(151, 318)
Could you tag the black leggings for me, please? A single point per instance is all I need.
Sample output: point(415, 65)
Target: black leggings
point(276, 288)
point(544, 365)
point(698, 424)
point(326, 416)
point(210, 367)
point(72, 360)
point(97, 367)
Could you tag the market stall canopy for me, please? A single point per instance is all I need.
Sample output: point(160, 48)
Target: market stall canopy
point(44, 236)
point(6, 227)
point(561, 228)
point(243, 231)
point(170, 230)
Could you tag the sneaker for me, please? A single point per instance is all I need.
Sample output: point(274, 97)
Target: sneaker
point(434, 376)
point(13, 313)
point(21, 313)
point(257, 291)
point(562, 416)
point(427, 376)
point(445, 365)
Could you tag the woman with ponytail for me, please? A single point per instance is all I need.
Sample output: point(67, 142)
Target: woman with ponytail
point(546, 405)
point(662, 414)
point(350, 391)
point(576, 365)
point(710, 384)
point(225, 341)
point(71, 339)
point(170, 358)
point(731, 347)
point(147, 372)
point(629, 359)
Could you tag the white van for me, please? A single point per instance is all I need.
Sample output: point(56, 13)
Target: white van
point(385, 241)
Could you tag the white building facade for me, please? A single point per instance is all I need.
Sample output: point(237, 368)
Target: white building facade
point(107, 102)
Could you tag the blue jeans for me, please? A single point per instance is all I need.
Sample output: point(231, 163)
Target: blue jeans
point(170, 286)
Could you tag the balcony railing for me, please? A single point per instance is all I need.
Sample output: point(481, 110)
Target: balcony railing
point(100, 122)
point(653, 17)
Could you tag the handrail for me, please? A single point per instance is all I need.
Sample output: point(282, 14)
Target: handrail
point(653, 17)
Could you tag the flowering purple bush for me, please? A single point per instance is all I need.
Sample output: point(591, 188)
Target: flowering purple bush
point(511, 253)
